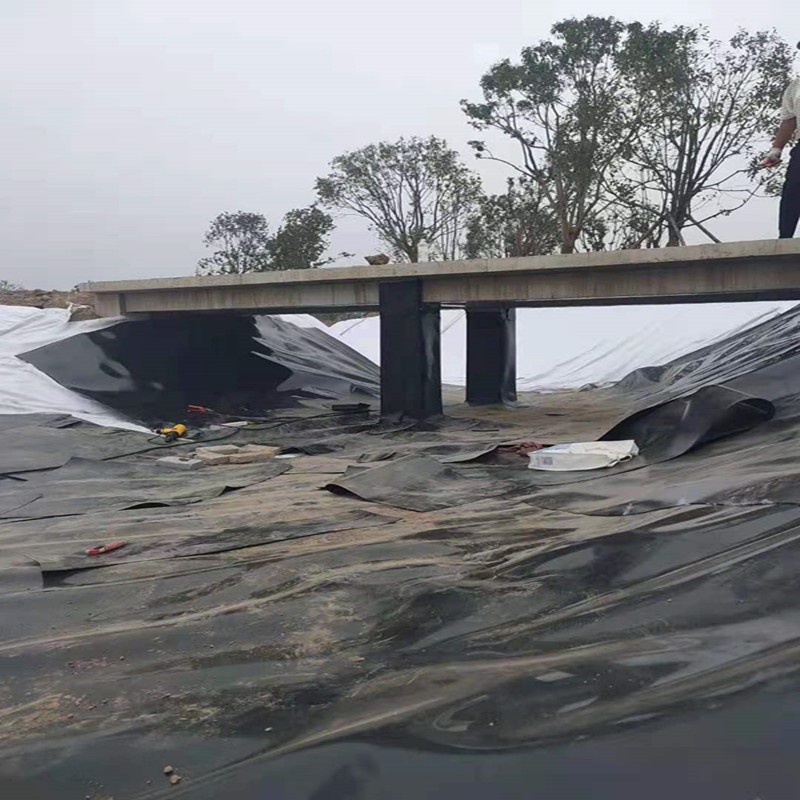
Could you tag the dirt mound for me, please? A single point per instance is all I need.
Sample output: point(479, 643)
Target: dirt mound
point(39, 298)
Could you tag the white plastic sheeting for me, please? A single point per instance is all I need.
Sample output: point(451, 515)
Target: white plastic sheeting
point(26, 390)
point(565, 348)
point(304, 321)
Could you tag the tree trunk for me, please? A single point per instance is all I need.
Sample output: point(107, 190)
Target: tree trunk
point(569, 236)
point(676, 222)
point(569, 240)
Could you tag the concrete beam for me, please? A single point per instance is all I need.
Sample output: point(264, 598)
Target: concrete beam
point(258, 298)
point(703, 282)
point(727, 251)
point(704, 273)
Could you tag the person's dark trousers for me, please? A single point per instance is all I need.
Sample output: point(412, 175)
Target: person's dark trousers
point(790, 197)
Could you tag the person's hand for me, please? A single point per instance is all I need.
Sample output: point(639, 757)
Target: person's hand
point(772, 158)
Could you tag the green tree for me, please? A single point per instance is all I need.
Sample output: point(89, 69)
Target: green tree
point(415, 193)
point(243, 243)
point(569, 111)
point(715, 106)
point(301, 240)
point(518, 222)
point(636, 132)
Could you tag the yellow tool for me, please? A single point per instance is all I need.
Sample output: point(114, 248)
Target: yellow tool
point(173, 433)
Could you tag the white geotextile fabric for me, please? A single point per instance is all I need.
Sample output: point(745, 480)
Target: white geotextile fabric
point(566, 348)
point(26, 390)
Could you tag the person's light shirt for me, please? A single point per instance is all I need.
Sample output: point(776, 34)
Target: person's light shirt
point(790, 107)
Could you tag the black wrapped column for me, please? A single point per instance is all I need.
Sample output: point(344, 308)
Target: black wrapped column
point(491, 356)
point(411, 370)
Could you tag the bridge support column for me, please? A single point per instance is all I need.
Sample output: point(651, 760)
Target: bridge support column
point(411, 372)
point(491, 356)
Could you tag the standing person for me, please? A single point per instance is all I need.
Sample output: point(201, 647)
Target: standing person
point(790, 196)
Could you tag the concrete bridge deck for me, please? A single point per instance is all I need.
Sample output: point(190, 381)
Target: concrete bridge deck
point(409, 297)
point(759, 270)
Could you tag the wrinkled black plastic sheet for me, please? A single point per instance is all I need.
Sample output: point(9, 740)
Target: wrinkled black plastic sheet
point(676, 427)
point(50, 443)
point(758, 468)
point(547, 655)
point(430, 477)
point(153, 369)
point(748, 353)
point(82, 486)
point(562, 647)
point(238, 537)
point(10, 421)
point(418, 483)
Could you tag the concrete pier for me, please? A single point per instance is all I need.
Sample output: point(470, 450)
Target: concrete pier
point(411, 374)
point(491, 356)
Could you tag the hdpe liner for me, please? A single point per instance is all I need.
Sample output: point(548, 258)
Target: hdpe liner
point(31, 447)
point(153, 369)
point(674, 428)
point(420, 482)
point(523, 645)
point(81, 486)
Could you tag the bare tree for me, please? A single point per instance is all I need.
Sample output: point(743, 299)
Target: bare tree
point(415, 193)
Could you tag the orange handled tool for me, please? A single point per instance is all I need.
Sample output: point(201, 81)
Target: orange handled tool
point(104, 548)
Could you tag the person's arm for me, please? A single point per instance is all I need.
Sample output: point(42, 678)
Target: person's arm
point(785, 133)
point(786, 129)
point(782, 138)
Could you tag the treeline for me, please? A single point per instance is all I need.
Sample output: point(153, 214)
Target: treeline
point(617, 135)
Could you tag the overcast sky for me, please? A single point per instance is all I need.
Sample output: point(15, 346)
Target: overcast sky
point(127, 125)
